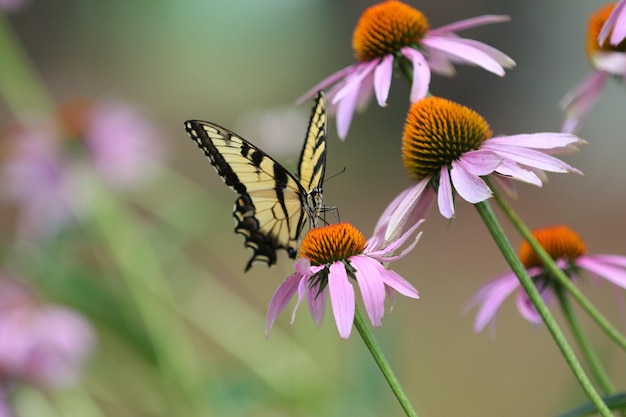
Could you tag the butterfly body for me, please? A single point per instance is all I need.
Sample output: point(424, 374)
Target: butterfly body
point(273, 206)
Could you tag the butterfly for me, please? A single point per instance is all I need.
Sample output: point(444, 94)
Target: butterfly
point(273, 206)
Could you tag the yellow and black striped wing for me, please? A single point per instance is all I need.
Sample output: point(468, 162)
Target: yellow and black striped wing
point(312, 166)
point(269, 211)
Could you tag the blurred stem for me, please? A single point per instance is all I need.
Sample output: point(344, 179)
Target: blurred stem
point(486, 213)
point(558, 274)
point(381, 361)
point(141, 269)
point(20, 84)
point(594, 363)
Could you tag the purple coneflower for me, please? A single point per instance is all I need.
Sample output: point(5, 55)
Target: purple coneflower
point(570, 253)
point(448, 148)
point(333, 256)
point(393, 35)
point(606, 58)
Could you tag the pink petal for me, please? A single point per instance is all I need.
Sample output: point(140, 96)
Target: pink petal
point(421, 73)
point(469, 23)
point(404, 210)
point(472, 188)
point(617, 260)
point(393, 245)
point(317, 304)
point(395, 281)
point(611, 273)
point(500, 57)
point(284, 293)
point(345, 112)
point(543, 140)
point(578, 102)
point(382, 79)
point(371, 286)
point(445, 199)
point(511, 169)
point(532, 158)
point(480, 162)
point(439, 63)
point(464, 52)
point(526, 307)
point(491, 298)
point(327, 82)
point(341, 299)
point(353, 81)
point(619, 32)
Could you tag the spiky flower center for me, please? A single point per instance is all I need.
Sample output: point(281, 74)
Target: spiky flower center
point(385, 28)
point(335, 242)
point(560, 242)
point(438, 131)
point(596, 21)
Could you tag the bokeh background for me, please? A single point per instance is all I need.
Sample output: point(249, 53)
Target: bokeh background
point(242, 64)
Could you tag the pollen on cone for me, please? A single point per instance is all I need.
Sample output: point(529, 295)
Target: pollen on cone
point(438, 131)
point(560, 242)
point(332, 243)
point(385, 28)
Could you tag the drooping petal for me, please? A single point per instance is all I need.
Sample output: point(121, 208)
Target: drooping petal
point(382, 79)
point(471, 187)
point(464, 52)
point(421, 73)
point(341, 299)
point(393, 280)
point(469, 23)
point(345, 112)
point(284, 293)
point(612, 273)
point(526, 307)
point(371, 286)
point(617, 260)
point(404, 210)
point(500, 57)
point(578, 102)
point(491, 297)
point(317, 304)
point(327, 82)
point(615, 22)
point(445, 200)
point(352, 82)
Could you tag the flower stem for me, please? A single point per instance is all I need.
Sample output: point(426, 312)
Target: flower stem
point(379, 357)
point(594, 363)
point(20, 84)
point(560, 276)
point(486, 213)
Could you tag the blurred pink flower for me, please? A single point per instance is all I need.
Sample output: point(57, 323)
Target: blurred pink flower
point(392, 35)
point(46, 345)
point(570, 253)
point(606, 58)
point(12, 6)
point(448, 148)
point(48, 163)
point(332, 256)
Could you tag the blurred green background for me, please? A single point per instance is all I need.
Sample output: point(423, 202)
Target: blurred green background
point(225, 61)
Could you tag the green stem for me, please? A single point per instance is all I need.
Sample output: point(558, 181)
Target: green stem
point(592, 359)
point(486, 213)
point(20, 84)
point(381, 361)
point(560, 276)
